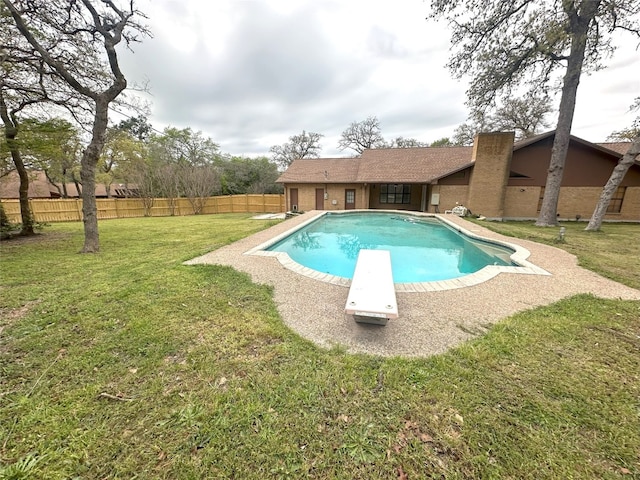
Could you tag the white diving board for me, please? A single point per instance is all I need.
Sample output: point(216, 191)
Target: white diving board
point(372, 296)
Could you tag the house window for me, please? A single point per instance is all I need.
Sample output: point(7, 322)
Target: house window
point(615, 206)
point(395, 193)
point(350, 196)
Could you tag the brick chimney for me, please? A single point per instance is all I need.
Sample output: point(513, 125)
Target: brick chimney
point(488, 184)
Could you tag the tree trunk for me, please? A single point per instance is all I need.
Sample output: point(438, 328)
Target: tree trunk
point(89, 163)
point(25, 210)
point(579, 25)
point(10, 134)
point(612, 185)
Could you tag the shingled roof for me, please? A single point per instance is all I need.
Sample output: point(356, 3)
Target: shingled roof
point(407, 165)
point(395, 165)
point(620, 147)
point(323, 170)
point(410, 165)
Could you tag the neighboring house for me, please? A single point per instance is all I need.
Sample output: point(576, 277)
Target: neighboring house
point(40, 187)
point(494, 178)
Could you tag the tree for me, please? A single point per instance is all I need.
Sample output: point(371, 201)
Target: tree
point(443, 142)
point(249, 175)
point(53, 146)
point(305, 145)
point(507, 46)
point(359, 136)
point(465, 133)
point(628, 134)
point(183, 146)
point(198, 183)
point(617, 175)
point(612, 184)
point(138, 127)
point(22, 85)
point(401, 142)
point(11, 128)
point(526, 116)
point(120, 149)
point(77, 40)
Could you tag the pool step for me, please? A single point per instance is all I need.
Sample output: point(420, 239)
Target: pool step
point(372, 295)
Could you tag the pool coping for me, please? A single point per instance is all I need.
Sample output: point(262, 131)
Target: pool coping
point(519, 256)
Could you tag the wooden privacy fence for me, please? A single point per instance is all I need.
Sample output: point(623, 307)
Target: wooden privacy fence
point(70, 210)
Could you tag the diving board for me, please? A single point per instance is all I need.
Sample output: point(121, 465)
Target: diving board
point(372, 296)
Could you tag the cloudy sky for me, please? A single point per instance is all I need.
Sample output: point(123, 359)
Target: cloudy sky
point(251, 73)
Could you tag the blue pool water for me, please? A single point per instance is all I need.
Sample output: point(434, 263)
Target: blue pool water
point(422, 249)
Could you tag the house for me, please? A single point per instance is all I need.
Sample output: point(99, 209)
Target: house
point(41, 187)
point(494, 178)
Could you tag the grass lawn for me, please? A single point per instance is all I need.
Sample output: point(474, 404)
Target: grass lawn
point(128, 364)
point(613, 252)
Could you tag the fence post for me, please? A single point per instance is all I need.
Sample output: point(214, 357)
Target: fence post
point(79, 209)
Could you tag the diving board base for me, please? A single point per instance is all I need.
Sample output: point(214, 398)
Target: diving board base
point(372, 295)
point(370, 318)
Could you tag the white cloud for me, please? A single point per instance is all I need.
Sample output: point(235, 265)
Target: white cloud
point(251, 73)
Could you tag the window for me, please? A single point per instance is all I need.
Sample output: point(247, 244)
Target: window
point(350, 196)
point(615, 206)
point(395, 193)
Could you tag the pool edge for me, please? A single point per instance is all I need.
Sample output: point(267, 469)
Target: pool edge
point(519, 256)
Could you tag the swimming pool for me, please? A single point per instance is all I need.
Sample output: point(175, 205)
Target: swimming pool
point(423, 248)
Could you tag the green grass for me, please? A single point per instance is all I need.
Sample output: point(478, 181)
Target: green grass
point(128, 364)
point(613, 252)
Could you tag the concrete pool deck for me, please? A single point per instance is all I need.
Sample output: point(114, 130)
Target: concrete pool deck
point(429, 322)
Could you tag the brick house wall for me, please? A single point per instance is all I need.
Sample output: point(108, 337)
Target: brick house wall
point(334, 193)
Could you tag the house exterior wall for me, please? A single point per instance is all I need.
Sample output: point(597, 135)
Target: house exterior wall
point(630, 206)
point(522, 203)
point(450, 196)
point(584, 166)
point(334, 193)
point(582, 201)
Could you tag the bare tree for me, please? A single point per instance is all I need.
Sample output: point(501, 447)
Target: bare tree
point(305, 145)
point(199, 183)
point(359, 136)
point(78, 40)
point(169, 184)
point(505, 46)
